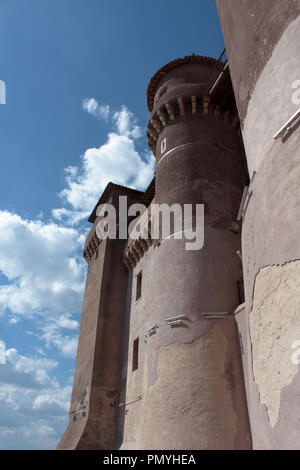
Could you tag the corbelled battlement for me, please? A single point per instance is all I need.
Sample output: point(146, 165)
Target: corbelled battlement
point(182, 107)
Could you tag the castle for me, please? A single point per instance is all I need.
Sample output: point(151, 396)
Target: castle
point(197, 349)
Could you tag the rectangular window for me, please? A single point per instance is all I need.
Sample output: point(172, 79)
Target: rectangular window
point(138, 286)
point(135, 354)
point(163, 146)
point(240, 285)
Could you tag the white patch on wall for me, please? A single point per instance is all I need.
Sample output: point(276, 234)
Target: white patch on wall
point(163, 146)
point(275, 332)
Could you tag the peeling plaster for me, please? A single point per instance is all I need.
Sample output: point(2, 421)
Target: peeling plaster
point(192, 404)
point(274, 327)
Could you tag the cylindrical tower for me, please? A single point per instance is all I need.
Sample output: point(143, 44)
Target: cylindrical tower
point(262, 41)
point(185, 386)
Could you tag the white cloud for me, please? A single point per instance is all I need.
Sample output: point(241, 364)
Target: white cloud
point(45, 273)
point(52, 335)
point(42, 264)
point(33, 406)
point(51, 405)
point(19, 369)
point(65, 321)
point(100, 111)
point(127, 123)
point(117, 160)
point(70, 217)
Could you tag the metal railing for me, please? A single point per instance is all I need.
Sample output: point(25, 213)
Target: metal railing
point(287, 126)
point(213, 84)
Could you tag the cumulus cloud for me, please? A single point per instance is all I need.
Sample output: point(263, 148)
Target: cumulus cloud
point(127, 123)
point(25, 371)
point(52, 331)
point(92, 107)
point(42, 263)
point(42, 281)
point(53, 334)
point(69, 216)
point(33, 406)
point(65, 321)
point(117, 160)
point(66, 345)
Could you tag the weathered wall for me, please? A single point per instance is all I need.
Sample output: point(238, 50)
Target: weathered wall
point(99, 356)
point(190, 377)
point(274, 327)
point(251, 30)
point(262, 41)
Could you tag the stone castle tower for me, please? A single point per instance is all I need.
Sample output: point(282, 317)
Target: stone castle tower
point(171, 355)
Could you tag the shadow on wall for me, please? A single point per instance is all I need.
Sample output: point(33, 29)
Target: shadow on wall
point(122, 394)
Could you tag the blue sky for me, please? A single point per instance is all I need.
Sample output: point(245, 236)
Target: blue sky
point(76, 73)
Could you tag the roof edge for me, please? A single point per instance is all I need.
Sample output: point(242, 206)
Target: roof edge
point(106, 193)
point(157, 77)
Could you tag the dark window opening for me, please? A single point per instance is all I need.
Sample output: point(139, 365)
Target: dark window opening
point(138, 286)
point(135, 354)
point(241, 292)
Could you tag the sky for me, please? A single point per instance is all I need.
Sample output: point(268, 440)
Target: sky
point(76, 74)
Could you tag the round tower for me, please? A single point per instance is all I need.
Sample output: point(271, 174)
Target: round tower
point(185, 390)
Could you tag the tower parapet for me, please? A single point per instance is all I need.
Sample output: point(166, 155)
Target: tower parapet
point(172, 102)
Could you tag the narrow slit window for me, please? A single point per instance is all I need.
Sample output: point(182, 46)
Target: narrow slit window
point(138, 286)
point(135, 354)
point(241, 292)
